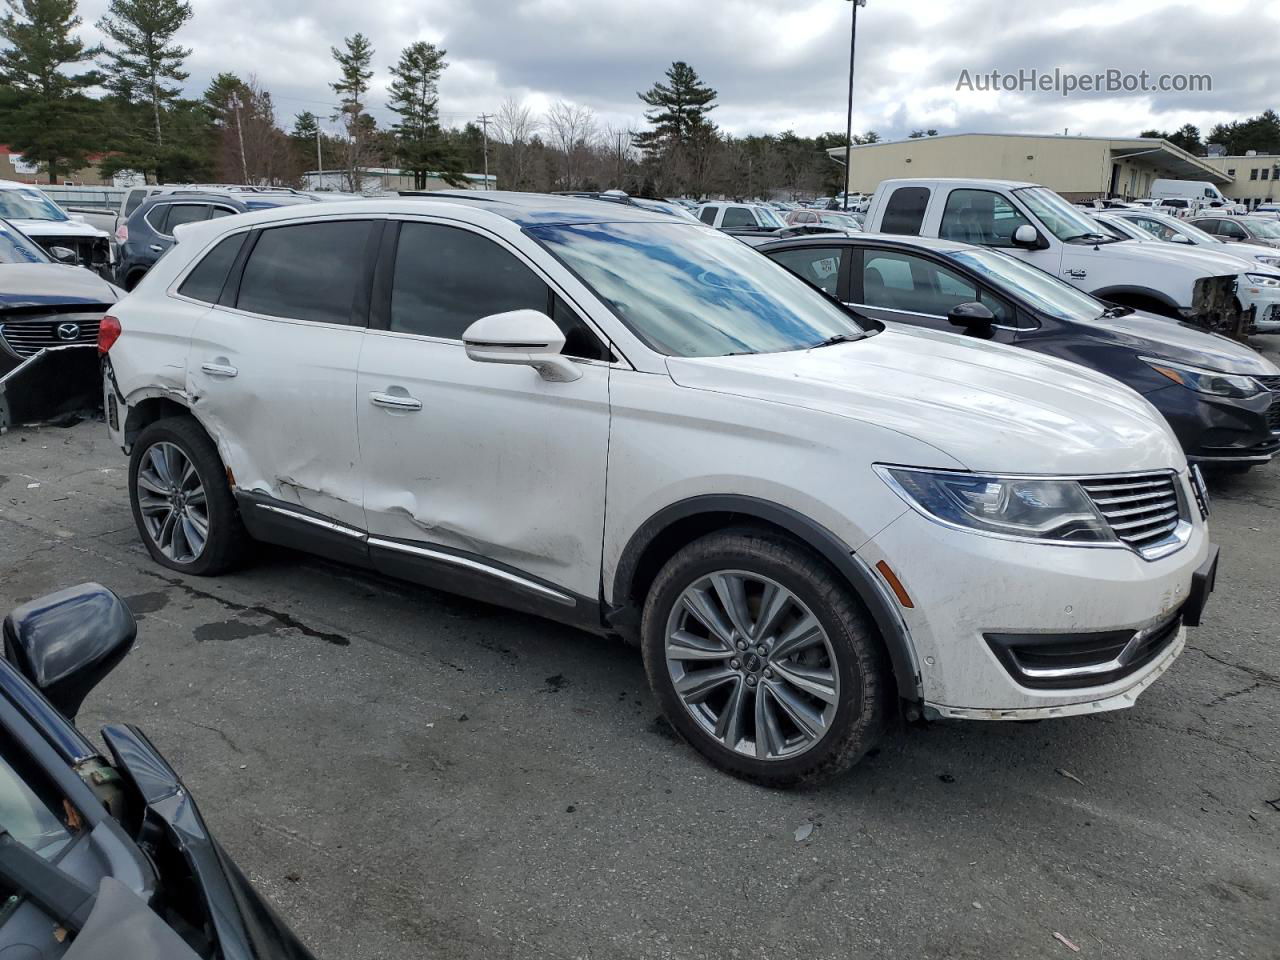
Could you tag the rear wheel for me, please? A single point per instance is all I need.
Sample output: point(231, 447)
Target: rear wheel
point(763, 659)
point(182, 503)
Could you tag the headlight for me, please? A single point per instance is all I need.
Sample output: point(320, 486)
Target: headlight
point(1269, 261)
point(1262, 279)
point(1028, 509)
point(1206, 381)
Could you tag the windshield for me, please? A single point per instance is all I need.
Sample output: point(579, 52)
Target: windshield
point(29, 205)
point(1061, 219)
point(15, 247)
point(840, 220)
point(690, 292)
point(1266, 228)
point(768, 218)
point(1041, 291)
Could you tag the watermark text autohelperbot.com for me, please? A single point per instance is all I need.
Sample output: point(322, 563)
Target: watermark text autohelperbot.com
point(1066, 83)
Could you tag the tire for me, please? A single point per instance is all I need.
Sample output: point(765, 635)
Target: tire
point(848, 663)
point(225, 544)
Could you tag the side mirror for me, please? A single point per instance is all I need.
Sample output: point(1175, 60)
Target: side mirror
point(1181, 238)
point(527, 337)
point(1028, 237)
point(974, 316)
point(63, 254)
point(66, 642)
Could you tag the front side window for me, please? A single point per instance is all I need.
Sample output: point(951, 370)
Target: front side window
point(738, 217)
point(819, 265)
point(308, 271)
point(980, 217)
point(29, 807)
point(902, 281)
point(1060, 218)
point(904, 213)
point(205, 282)
point(447, 278)
point(690, 292)
point(1232, 230)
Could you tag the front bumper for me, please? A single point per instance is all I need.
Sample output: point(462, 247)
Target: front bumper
point(1221, 429)
point(1265, 302)
point(965, 586)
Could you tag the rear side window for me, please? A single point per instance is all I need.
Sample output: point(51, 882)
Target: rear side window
point(447, 278)
point(205, 282)
point(904, 213)
point(738, 217)
point(708, 215)
point(819, 265)
point(310, 271)
point(180, 213)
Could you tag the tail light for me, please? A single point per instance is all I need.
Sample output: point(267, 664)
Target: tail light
point(108, 333)
point(122, 233)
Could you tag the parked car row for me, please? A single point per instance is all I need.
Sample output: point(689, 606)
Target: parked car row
point(65, 237)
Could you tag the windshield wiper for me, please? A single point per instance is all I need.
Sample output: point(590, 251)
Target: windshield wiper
point(1117, 311)
point(838, 338)
point(1090, 238)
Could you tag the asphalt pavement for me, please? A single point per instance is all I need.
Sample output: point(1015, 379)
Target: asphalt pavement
point(406, 774)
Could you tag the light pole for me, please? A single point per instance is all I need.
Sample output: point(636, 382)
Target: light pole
point(848, 130)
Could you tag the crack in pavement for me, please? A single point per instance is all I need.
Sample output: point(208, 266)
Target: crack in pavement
point(1260, 675)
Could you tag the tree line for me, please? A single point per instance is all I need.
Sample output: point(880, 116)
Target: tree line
point(63, 102)
point(1260, 133)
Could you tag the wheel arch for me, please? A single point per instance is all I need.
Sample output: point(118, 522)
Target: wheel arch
point(678, 524)
point(1129, 292)
point(148, 410)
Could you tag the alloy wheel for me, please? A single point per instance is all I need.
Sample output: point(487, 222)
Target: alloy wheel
point(752, 665)
point(171, 498)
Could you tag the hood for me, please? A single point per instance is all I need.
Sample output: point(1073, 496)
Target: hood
point(57, 228)
point(51, 284)
point(1206, 262)
point(991, 407)
point(1248, 252)
point(1160, 337)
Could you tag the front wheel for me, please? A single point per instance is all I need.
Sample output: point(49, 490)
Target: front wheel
point(764, 660)
point(182, 503)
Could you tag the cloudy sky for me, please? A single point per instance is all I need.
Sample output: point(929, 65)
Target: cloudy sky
point(777, 64)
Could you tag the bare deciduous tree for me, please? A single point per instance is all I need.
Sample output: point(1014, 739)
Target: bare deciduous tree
point(574, 132)
point(515, 127)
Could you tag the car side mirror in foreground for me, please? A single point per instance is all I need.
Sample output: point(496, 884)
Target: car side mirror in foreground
point(63, 254)
point(527, 337)
point(66, 642)
point(973, 316)
point(1028, 237)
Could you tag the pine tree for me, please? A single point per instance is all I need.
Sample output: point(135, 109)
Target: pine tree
point(420, 147)
point(146, 65)
point(353, 83)
point(51, 113)
point(680, 109)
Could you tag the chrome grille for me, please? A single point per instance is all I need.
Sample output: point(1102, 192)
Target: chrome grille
point(28, 335)
point(1142, 509)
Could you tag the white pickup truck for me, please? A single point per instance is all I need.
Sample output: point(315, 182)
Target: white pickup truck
point(1035, 224)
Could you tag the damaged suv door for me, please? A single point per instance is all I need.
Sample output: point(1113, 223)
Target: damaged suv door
point(479, 473)
point(273, 367)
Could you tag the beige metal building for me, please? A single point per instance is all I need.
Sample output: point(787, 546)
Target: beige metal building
point(1079, 168)
point(1255, 177)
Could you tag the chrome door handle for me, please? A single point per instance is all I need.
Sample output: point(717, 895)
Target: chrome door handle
point(219, 369)
point(395, 401)
point(156, 248)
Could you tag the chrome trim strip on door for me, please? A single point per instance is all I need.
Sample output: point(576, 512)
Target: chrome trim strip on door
point(314, 521)
point(477, 566)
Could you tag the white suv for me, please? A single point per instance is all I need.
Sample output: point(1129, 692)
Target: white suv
point(646, 429)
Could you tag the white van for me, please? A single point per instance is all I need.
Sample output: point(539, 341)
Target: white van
point(1190, 189)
